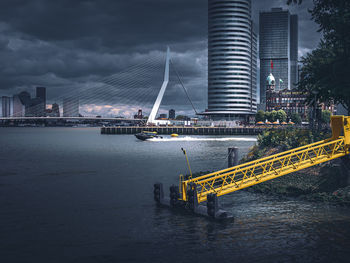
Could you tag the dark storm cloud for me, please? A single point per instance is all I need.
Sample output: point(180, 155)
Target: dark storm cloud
point(107, 24)
point(67, 45)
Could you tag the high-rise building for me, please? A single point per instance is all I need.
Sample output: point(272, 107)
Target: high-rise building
point(232, 60)
point(172, 114)
point(25, 100)
point(24, 105)
point(6, 106)
point(41, 102)
point(278, 49)
point(35, 108)
point(18, 107)
point(24, 97)
point(70, 107)
point(54, 111)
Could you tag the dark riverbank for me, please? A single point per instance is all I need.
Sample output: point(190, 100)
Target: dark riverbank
point(327, 182)
point(323, 183)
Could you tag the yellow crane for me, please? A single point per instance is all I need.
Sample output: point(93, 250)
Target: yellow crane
point(251, 173)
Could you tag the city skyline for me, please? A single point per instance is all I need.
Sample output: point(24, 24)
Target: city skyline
point(73, 55)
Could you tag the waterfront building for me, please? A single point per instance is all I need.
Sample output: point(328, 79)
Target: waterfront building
point(139, 114)
point(172, 114)
point(41, 101)
point(6, 106)
point(163, 116)
point(278, 49)
point(34, 107)
point(54, 111)
point(70, 107)
point(291, 101)
point(18, 107)
point(25, 97)
point(25, 100)
point(232, 60)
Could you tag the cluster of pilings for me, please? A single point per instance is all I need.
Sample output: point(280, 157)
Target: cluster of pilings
point(211, 209)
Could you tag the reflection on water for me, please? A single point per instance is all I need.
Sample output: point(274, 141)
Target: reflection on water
point(73, 195)
point(202, 139)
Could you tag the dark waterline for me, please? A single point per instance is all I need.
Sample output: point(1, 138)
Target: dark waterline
point(73, 195)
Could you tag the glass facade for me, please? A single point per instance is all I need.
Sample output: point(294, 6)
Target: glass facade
point(6, 106)
point(232, 58)
point(278, 32)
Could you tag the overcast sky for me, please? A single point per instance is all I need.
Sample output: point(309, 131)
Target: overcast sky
point(69, 45)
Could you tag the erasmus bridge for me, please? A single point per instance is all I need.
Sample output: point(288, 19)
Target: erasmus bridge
point(123, 93)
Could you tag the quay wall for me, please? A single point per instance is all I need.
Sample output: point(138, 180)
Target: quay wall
point(184, 130)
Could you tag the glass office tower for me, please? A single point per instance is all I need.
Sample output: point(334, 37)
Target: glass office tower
point(278, 49)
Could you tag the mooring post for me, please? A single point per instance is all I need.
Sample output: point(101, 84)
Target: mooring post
point(158, 192)
point(192, 197)
point(174, 195)
point(232, 156)
point(212, 205)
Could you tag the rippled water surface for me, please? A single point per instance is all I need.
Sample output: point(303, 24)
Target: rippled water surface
point(73, 195)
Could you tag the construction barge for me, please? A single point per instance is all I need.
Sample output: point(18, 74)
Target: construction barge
point(184, 130)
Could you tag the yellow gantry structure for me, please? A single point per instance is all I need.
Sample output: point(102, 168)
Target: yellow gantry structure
point(251, 173)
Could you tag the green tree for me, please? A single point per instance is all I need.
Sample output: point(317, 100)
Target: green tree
point(181, 117)
point(326, 70)
point(273, 116)
point(295, 117)
point(260, 116)
point(281, 115)
point(326, 116)
point(267, 116)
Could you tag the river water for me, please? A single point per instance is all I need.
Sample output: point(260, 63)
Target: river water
point(73, 195)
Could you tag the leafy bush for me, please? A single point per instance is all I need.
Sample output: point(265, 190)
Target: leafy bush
point(295, 117)
point(275, 141)
point(272, 116)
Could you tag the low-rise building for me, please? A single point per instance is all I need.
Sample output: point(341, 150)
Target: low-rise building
point(291, 101)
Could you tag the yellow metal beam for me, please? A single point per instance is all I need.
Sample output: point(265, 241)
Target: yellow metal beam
point(251, 173)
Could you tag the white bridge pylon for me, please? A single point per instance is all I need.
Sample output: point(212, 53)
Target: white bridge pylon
point(153, 114)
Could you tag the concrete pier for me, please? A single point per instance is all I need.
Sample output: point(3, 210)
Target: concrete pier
point(184, 130)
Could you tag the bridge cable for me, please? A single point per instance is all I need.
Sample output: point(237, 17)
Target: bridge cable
point(178, 76)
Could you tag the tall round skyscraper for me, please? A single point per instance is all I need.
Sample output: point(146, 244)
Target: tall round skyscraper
point(232, 57)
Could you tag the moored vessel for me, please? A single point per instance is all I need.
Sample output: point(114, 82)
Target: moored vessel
point(144, 135)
